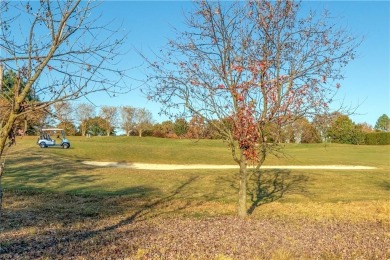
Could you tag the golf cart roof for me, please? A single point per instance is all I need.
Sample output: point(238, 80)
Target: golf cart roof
point(52, 129)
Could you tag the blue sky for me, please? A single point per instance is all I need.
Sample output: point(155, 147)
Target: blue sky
point(366, 84)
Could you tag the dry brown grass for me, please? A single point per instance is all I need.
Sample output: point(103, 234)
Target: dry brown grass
point(55, 226)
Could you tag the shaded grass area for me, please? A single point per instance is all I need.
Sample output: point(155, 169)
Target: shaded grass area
point(56, 207)
point(60, 226)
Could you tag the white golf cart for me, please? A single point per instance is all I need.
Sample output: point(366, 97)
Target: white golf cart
point(45, 139)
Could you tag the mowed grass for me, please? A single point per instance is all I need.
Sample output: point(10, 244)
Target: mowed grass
point(184, 151)
point(272, 192)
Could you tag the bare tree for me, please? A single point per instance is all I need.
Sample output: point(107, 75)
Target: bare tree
point(323, 122)
point(62, 52)
point(127, 118)
point(250, 65)
point(196, 127)
point(63, 112)
point(110, 115)
point(83, 112)
point(143, 120)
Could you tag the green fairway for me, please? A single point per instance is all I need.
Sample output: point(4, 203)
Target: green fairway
point(184, 151)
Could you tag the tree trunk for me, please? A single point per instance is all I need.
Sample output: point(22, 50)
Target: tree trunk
point(1, 189)
point(242, 209)
point(140, 133)
point(83, 129)
point(25, 126)
point(5, 130)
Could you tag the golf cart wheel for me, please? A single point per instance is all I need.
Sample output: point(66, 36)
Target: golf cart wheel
point(65, 145)
point(42, 145)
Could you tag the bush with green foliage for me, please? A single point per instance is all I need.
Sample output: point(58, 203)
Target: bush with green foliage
point(344, 131)
point(180, 127)
point(378, 138)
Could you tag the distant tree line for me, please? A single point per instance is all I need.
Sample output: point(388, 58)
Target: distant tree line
point(86, 119)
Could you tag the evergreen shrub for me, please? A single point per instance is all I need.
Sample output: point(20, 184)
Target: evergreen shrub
point(378, 138)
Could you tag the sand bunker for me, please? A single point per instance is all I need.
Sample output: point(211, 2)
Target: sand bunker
point(167, 167)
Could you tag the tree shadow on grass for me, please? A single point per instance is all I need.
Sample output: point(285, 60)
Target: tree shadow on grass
point(46, 208)
point(54, 225)
point(159, 202)
point(385, 185)
point(266, 186)
point(34, 167)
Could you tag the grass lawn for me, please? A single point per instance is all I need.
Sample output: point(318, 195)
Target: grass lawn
point(53, 203)
point(160, 150)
